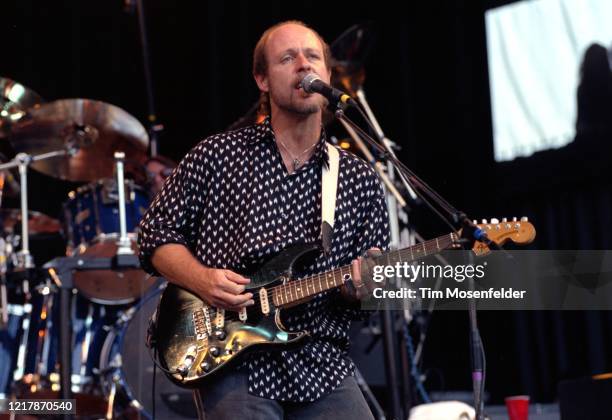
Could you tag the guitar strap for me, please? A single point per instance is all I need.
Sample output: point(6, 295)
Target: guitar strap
point(329, 187)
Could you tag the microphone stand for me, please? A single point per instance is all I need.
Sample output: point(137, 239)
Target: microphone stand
point(458, 219)
point(154, 128)
point(388, 324)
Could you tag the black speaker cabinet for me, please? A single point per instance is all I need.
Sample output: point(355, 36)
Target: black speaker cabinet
point(587, 398)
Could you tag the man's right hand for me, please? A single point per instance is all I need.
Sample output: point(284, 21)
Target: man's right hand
point(224, 289)
point(217, 287)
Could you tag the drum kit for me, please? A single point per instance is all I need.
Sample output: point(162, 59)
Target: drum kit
point(96, 144)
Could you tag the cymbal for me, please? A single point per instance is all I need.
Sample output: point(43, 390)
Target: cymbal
point(97, 128)
point(350, 51)
point(353, 46)
point(15, 99)
point(38, 223)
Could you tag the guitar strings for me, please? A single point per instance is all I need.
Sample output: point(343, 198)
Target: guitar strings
point(291, 288)
point(293, 284)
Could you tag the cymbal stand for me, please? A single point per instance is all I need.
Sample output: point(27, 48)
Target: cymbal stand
point(24, 258)
point(22, 161)
point(124, 244)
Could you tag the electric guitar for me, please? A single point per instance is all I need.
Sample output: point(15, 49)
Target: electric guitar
point(195, 341)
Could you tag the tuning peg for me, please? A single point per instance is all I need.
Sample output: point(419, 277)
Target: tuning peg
point(484, 221)
point(524, 219)
point(504, 220)
point(475, 221)
point(514, 219)
point(494, 221)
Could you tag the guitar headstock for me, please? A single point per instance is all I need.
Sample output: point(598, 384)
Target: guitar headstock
point(519, 231)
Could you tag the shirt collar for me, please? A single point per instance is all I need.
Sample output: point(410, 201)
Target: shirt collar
point(264, 132)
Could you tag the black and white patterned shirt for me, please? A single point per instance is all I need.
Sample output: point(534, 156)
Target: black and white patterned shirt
point(232, 202)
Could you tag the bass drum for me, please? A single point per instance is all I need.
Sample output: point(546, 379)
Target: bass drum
point(126, 357)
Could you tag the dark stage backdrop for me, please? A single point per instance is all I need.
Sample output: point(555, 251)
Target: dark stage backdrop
point(427, 83)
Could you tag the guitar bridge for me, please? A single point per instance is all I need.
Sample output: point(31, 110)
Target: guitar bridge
point(200, 324)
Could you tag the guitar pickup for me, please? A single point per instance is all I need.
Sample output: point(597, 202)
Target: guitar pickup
point(263, 299)
point(242, 314)
point(220, 318)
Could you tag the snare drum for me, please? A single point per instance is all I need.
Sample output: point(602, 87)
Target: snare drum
point(127, 359)
point(92, 216)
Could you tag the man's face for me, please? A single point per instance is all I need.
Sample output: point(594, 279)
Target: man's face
point(293, 51)
point(155, 173)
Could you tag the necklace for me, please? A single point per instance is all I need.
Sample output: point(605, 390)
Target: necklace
point(295, 159)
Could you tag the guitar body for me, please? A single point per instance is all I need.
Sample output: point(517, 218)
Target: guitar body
point(195, 341)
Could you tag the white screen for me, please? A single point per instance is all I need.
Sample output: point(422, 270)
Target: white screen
point(535, 49)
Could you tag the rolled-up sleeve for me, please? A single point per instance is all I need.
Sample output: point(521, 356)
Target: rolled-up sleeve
point(172, 217)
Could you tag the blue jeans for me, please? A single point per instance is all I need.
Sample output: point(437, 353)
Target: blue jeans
point(227, 397)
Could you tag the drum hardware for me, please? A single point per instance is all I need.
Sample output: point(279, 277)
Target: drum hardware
point(22, 161)
point(132, 380)
point(23, 262)
point(111, 397)
point(85, 134)
point(98, 218)
point(124, 243)
point(61, 270)
point(111, 370)
point(95, 129)
point(23, 257)
point(4, 315)
point(3, 295)
point(38, 224)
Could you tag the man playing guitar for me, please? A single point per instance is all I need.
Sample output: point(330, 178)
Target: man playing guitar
point(240, 197)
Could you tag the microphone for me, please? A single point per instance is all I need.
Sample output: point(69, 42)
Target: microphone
point(311, 83)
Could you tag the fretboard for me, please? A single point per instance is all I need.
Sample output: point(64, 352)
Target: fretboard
point(307, 287)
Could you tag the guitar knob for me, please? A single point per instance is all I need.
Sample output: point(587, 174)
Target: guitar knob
point(514, 219)
point(524, 219)
point(183, 368)
point(484, 221)
point(220, 334)
point(205, 366)
point(504, 220)
point(494, 221)
point(214, 351)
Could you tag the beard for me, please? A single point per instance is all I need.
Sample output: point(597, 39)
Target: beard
point(292, 106)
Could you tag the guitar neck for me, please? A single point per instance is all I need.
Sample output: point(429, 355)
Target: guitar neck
point(308, 287)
